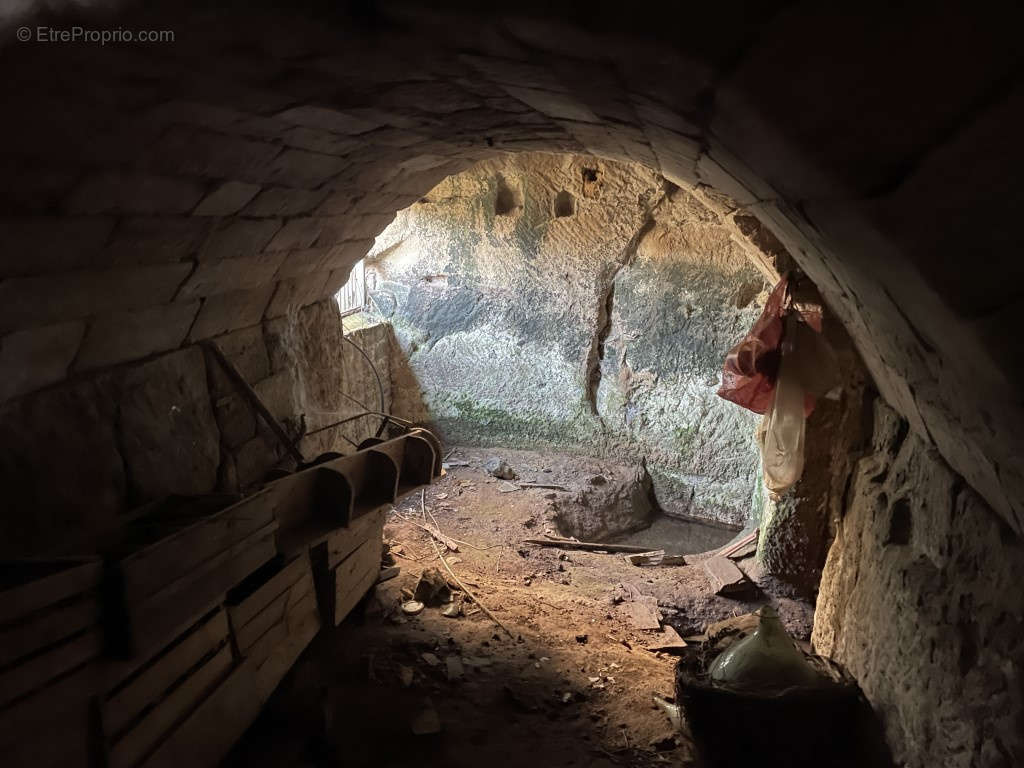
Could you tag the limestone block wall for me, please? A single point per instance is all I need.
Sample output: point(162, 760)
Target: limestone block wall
point(579, 304)
point(77, 457)
point(921, 600)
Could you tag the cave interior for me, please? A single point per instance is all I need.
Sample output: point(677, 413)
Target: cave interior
point(360, 383)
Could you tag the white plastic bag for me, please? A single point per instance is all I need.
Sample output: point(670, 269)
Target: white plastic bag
point(782, 443)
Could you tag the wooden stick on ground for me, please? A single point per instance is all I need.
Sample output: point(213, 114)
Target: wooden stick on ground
point(474, 598)
point(737, 545)
point(586, 545)
point(460, 541)
point(406, 557)
point(550, 486)
point(436, 533)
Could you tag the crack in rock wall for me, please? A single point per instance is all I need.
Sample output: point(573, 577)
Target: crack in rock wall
point(600, 332)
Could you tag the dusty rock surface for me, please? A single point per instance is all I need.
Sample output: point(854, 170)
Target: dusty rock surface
point(579, 304)
point(572, 686)
point(920, 599)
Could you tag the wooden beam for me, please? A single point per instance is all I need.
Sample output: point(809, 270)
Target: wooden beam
point(729, 549)
point(588, 546)
point(235, 375)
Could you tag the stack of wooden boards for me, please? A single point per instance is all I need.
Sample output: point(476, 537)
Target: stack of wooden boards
point(50, 641)
point(349, 565)
point(163, 653)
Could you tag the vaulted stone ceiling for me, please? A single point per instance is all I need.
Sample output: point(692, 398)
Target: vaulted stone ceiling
point(161, 193)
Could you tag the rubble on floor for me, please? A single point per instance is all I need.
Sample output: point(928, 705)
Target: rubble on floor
point(575, 680)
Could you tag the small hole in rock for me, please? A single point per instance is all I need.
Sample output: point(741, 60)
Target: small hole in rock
point(565, 205)
point(506, 200)
point(899, 523)
point(589, 175)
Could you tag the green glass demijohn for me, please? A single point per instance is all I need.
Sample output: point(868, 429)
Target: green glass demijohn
point(765, 660)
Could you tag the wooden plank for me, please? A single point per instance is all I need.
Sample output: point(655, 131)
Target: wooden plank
point(298, 611)
point(300, 589)
point(172, 610)
point(138, 741)
point(186, 581)
point(50, 728)
point(272, 671)
point(668, 640)
point(243, 608)
point(254, 399)
point(30, 585)
point(586, 546)
point(654, 557)
point(151, 568)
point(277, 612)
point(47, 627)
point(150, 684)
point(726, 578)
point(356, 591)
point(354, 577)
point(344, 541)
point(264, 620)
point(730, 549)
point(205, 737)
point(35, 713)
point(747, 550)
point(295, 495)
point(296, 616)
point(38, 670)
point(368, 551)
point(261, 650)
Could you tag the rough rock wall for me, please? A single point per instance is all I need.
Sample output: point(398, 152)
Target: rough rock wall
point(921, 599)
point(247, 166)
point(75, 458)
point(580, 304)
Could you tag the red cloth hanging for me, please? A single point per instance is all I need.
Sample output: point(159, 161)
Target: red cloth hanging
point(752, 366)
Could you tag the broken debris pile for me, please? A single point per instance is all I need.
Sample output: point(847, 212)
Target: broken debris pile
point(499, 468)
point(432, 588)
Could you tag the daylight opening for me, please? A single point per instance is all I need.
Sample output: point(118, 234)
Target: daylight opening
point(573, 330)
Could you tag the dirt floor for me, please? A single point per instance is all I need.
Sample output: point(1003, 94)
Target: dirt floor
point(571, 684)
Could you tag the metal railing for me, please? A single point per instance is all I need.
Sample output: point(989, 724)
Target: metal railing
point(352, 296)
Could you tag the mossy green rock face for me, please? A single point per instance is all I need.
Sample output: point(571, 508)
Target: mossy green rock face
point(575, 304)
